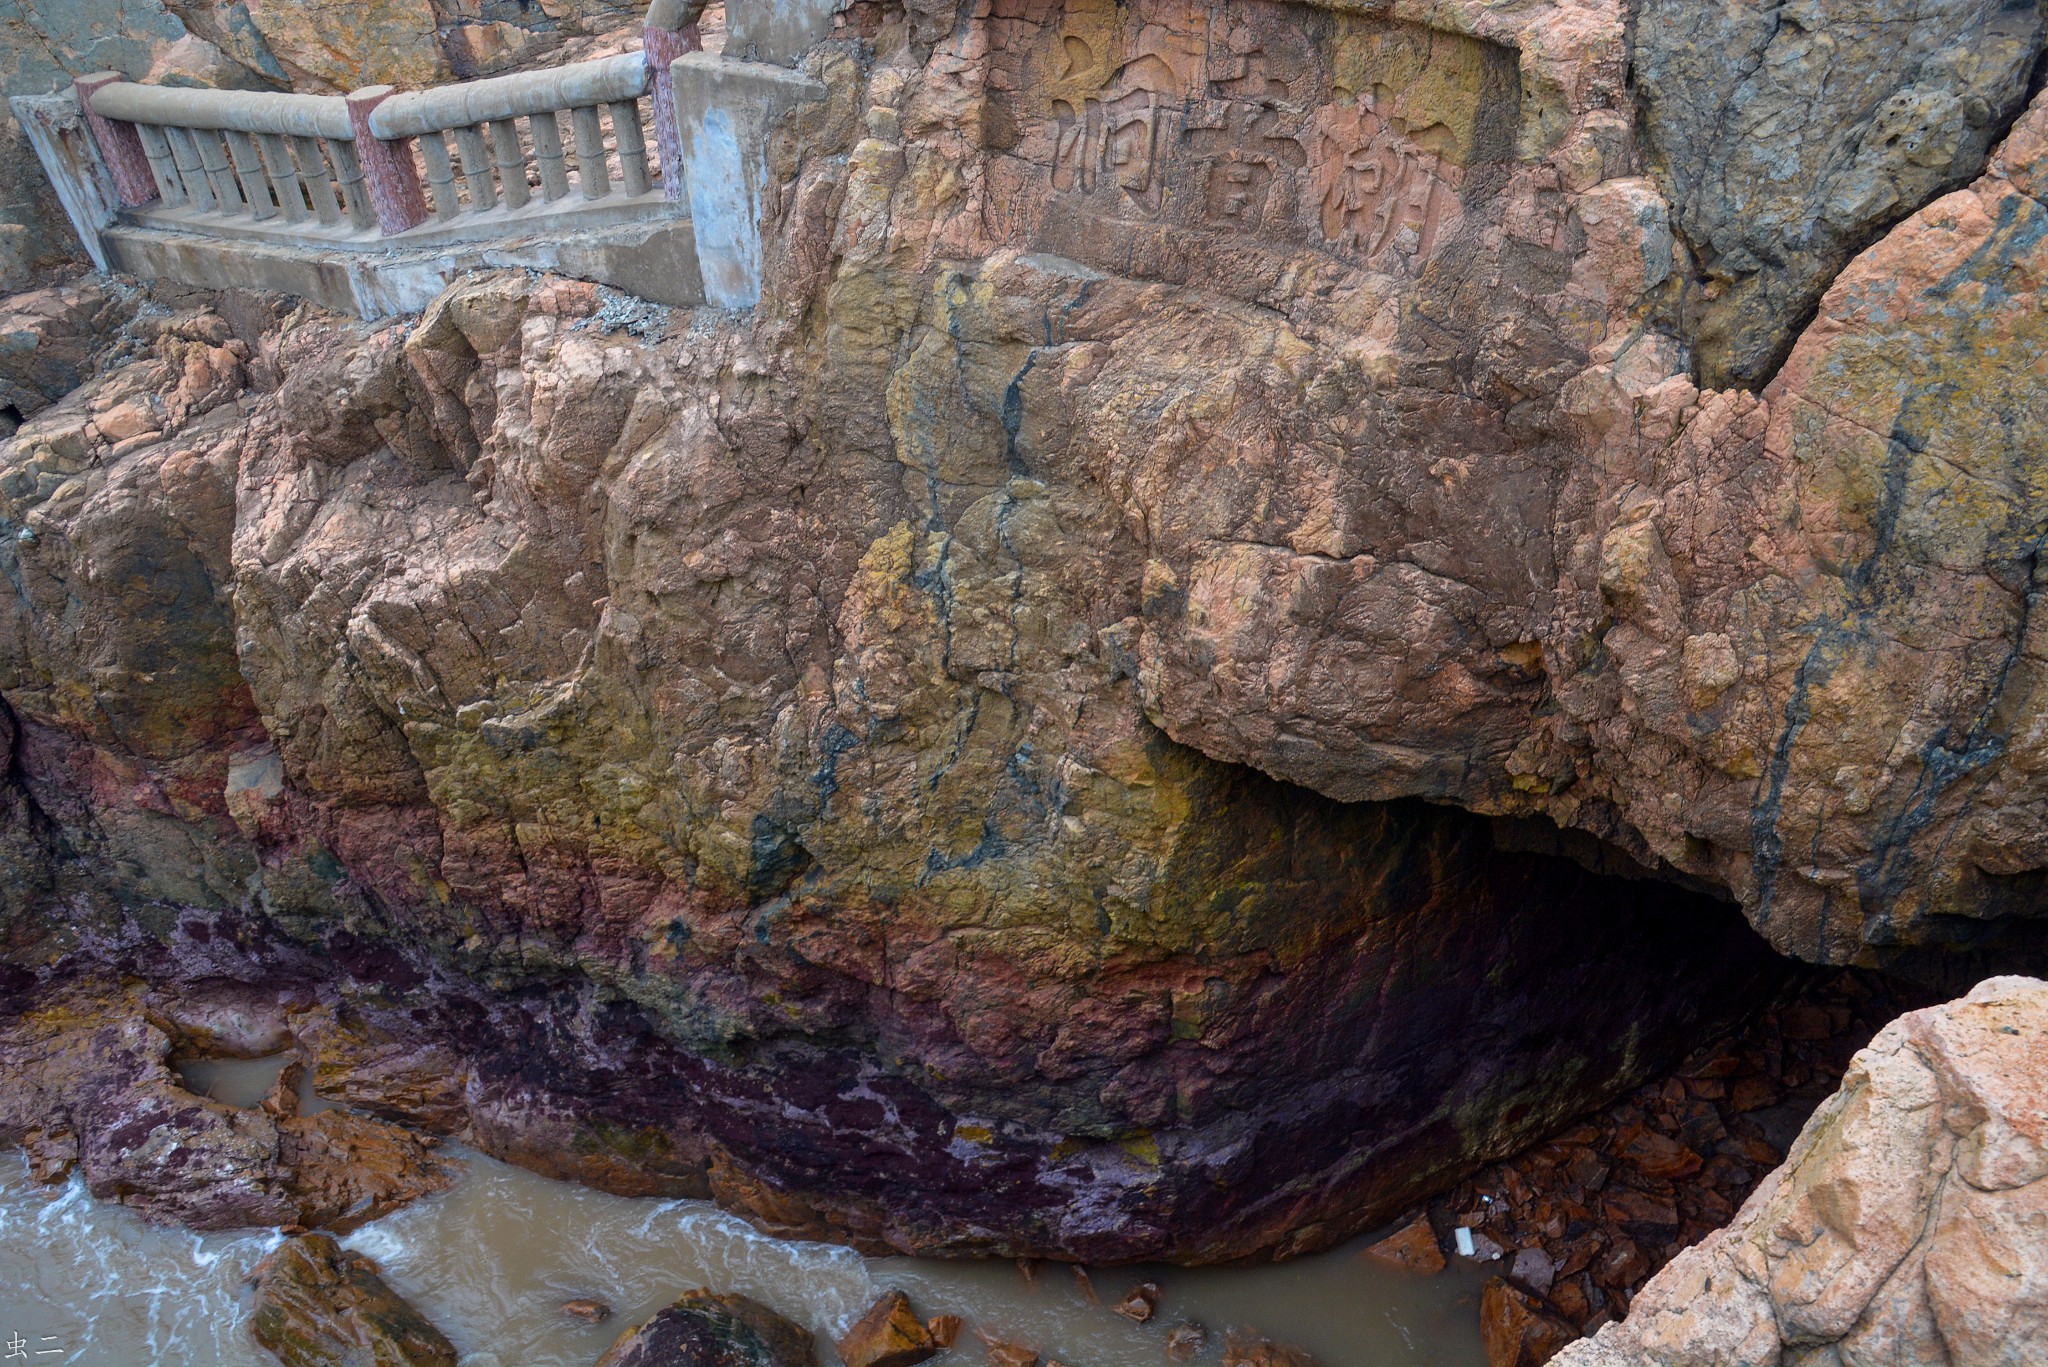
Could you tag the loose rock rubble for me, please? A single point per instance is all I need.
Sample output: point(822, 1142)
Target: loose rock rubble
point(1908, 1225)
point(1577, 1225)
point(890, 1334)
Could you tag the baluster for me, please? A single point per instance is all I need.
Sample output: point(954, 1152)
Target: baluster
point(227, 191)
point(161, 164)
point(255, 187)
point(632, 147)
point(355, 189)
point(510, 161)
point(476, 168)
point(547, 150)
point(277, 163)
point(591, 173)
point(186, 153)
point(440, 176)
point(318, 183)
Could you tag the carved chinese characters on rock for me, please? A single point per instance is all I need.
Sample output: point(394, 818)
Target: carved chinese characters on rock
point(1298, 128)
point(1382, 197)
point(1119, 138)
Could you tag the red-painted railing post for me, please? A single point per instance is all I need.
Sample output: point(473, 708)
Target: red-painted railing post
point(671, 30)
point(120, 145)
point(388, 167)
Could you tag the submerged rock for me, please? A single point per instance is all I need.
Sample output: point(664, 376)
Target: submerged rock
point(1242, 1348)
point(1906, 1226)
point(1185, 1341)
point(890, 1334)
point(320, 1305)
point(703, 1329)
point(1138, 1303)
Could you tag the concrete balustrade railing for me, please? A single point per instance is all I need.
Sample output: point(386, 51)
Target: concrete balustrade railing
point(494, 122)
point(313, 159)
point(232, 152)
point(646, 169)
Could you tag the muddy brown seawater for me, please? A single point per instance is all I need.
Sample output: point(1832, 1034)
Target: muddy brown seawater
point(492, 1260)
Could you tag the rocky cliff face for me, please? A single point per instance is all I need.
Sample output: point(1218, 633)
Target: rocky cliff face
point(962, 721)
point(1904, 1227)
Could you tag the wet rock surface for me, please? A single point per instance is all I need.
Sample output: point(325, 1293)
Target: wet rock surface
point(890, 1334)
point(1905, 1225)
point(706, 1330)
point(320, 1305)
point(87, 1085)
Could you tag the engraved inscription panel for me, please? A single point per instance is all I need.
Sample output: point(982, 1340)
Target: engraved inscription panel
point(1358, 137)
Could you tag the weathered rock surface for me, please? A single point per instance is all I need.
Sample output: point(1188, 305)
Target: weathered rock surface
point(367, 683)
point(320, 1305)
point(1788, 137)
point(706, 1330)
point(50, 341)
point(861, 720)
point(1909, 1224)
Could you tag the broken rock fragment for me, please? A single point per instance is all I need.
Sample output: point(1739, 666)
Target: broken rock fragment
point(890, 1334)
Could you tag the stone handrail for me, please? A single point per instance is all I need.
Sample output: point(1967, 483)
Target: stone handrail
point(485, 118)
point(248, 111)
point(604, 81)
point(233, 152)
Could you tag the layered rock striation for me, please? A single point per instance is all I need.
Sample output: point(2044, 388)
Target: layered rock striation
point(936, 761)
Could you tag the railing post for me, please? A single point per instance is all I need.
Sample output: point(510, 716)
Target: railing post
point(120, 145)
point(670, 32)
point(388, 167)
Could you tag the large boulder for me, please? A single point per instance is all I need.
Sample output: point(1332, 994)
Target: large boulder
point(1789, 136)
point(1908, 1226)
point(321, 1305)
point(705, 1329)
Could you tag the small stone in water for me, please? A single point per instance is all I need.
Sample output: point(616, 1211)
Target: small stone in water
point(890, 1334)
point(1140, 1303)
point(1086, 1283)
point(944, 1329)
point(1003, 1353)
point(1241, 1349)
point(1185, 1341)
point(1412, 1248)
point(586, 1309)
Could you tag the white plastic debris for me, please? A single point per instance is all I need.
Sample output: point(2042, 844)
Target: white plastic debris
point(1463, 1236)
